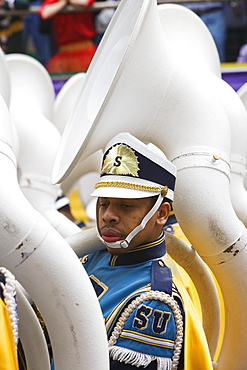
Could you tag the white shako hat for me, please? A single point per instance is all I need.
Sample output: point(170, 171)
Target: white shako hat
point(132, 169)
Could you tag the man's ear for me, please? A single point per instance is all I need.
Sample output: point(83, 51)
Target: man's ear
point(163, 213)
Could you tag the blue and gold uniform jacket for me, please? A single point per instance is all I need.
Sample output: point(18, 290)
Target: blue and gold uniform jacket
point(149, 330)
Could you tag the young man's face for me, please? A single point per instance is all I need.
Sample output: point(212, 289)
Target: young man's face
point(117, 217)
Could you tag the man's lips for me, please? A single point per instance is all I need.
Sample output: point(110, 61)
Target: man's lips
point(111, 235)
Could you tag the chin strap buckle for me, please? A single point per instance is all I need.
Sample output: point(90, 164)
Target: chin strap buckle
point(124, 244)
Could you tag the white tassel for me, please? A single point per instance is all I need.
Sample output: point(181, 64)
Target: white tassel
point(164, 363)
point(138, 359)
point(9, 299)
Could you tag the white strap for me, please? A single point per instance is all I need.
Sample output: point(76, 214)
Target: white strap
point(125, 243)
point(148, 216)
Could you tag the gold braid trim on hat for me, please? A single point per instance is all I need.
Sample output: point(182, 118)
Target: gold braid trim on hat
point(129, 185)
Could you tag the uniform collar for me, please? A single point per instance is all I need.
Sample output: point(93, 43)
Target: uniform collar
point(142, 253)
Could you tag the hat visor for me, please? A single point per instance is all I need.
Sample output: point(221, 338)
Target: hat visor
point(118, 192)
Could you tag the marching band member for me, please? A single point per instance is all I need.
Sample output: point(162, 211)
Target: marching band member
point(142, 307)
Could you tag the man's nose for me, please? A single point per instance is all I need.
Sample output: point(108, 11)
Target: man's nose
point(111, 214)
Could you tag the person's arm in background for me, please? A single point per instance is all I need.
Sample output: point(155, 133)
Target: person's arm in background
point(50, 8)
point(83, 3)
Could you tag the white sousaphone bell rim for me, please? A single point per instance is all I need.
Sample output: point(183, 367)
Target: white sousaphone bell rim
point(65, 163)
point(190, 37)
point(64, 105)
point(68, 156)
point(27, 73)
point(66, 99)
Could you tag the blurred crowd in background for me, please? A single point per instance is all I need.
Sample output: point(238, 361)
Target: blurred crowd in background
point(62, 41)
point(65, 42)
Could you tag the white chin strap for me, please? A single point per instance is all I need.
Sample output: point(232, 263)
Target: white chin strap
point(125, 243)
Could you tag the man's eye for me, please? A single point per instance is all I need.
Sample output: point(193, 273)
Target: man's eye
point(126, 205)
point(102, 204)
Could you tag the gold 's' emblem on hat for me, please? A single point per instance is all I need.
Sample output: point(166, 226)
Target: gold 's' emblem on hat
point(121, 160)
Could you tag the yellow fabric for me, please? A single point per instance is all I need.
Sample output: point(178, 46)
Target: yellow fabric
point(222, 326)
point(191, 289)
point(77, 208)
point(196, 352)
point(188, 284)
point(8, 356)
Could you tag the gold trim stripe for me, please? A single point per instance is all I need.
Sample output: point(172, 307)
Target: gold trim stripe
point(149, 245)
point(147, 339)
point(128, 185)
point(114, 258)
